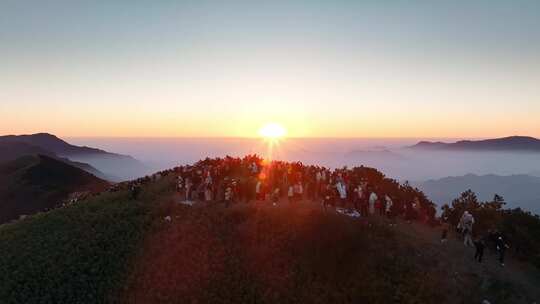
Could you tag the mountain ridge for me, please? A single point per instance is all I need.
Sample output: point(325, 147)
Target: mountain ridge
point(10, 151)
point(509, 143)
point(114, 166)
point(32, 183)
point(53, 143)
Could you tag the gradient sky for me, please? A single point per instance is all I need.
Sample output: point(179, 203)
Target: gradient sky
point(321, 68)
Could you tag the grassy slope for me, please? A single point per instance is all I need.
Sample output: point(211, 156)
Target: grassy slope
point(79, 254)
point(113, 249)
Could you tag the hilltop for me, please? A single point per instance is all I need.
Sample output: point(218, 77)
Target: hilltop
point(37, 182)
point(152, 248)
point(511, 143)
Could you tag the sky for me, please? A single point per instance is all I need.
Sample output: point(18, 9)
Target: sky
point(460, 69)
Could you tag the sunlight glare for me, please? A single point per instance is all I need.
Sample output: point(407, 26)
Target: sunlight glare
point(272, 131)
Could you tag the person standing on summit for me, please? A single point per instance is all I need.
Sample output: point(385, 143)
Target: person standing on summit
point(501, 246)
point(358, 198)
point(466, 224)
point(372, 200)
point(258, 191)
point(290, 194)
point(388, 206)
point(342, 191)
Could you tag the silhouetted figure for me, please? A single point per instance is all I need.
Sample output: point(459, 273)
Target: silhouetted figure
point(328, 197)
point(388, 206)
point(445, 226)
point(479, 253)
point(228, 196)
point(275, 196)
point(135, 191)
point(501, 248)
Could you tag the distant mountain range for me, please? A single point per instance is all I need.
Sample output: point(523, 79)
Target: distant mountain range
point(512, 143)
point(52, 143)
point(41, 170)
point(33, 183)
point(10, 151)
point(99, 162)
point(376, 154)
point(518, 190)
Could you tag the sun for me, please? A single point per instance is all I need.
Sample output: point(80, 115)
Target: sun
point(272, 131)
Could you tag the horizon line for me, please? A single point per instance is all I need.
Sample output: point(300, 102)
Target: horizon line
point(283, 139)
point(294, 137)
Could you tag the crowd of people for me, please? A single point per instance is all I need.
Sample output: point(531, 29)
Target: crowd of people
point(362, 190)
point(242, 180)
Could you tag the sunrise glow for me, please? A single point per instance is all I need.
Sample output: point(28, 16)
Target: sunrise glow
point(272, 131)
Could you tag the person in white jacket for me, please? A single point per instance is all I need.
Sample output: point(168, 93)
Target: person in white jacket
point(389, 204)
point(372, 200)
point(258, 191)
point(359, 197)
point(290, 194)
point(466, 224)
point(342, 191)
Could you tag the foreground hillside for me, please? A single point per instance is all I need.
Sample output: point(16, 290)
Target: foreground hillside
point(34, 183)
point(112, 248)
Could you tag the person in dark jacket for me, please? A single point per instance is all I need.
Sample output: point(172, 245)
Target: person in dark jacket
point(135, 191)
point(479, 245)
point(328, 197)
point(501, 248)
point(445, 226)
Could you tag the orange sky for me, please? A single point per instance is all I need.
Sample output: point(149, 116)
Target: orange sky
point(133, 124)
point(322, 69)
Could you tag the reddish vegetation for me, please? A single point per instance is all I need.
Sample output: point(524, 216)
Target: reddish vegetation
point(179, 260)
point(268, 254)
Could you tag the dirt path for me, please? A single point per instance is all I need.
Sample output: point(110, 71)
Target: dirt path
point(458, 260)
